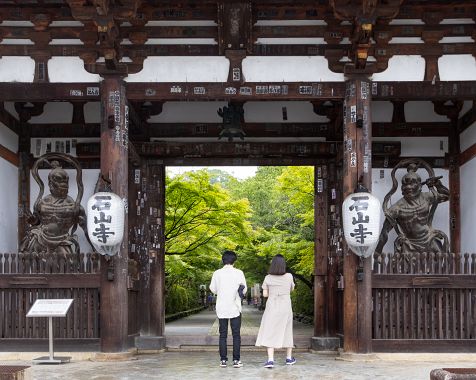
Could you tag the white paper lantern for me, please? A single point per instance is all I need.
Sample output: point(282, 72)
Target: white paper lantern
point(361, 219)
point(105, 214)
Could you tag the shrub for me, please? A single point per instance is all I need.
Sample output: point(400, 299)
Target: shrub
point(303, 300)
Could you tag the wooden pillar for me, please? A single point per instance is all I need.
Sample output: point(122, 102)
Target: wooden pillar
point(357, 169)
point(143, 248)
point(454, 186)
point(114, 167)
point(157, 255)
point(334, 246)
point(23, 189)
point(320, 251)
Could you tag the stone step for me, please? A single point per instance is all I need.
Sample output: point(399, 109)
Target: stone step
point(177, 341)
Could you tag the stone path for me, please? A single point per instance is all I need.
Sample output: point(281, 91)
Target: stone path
point(201, 363)
point(204, 366)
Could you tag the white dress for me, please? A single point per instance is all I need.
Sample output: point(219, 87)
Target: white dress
point(276, 329)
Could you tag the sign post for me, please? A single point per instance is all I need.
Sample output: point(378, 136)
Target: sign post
point(50, 308)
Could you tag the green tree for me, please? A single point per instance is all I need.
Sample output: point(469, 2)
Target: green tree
point(201, 220)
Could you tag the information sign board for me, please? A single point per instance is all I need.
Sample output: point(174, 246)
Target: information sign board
point(50, 308)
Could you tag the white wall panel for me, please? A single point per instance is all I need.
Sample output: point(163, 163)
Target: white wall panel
point(467, 137)
point(69, 70)
point(468, 211)
point(17, 69)
point(9, 208)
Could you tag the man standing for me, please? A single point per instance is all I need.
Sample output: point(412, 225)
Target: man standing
point(225, 283)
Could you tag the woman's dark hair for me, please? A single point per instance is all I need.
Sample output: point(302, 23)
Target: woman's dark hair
point(228, 257)
point(278, 265)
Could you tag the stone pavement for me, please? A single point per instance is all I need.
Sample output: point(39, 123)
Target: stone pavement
point(202, 330)
point(201, 362)
point(204, 366)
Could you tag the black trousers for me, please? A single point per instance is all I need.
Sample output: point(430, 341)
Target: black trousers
point(235, 324)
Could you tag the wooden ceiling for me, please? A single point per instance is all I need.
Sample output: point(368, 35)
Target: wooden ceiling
point(117, 35)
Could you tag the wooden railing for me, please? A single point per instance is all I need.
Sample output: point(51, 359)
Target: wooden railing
point(424, 297)
point(27, 277)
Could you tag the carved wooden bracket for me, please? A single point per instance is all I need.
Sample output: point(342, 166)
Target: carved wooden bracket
point(364, 15)
point(102, 19)
point(27, 110)
point(234, 26)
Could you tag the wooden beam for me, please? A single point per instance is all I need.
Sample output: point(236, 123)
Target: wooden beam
point(9, 156)
point(236, 149)
point(211, 130)
point(8, 120)
point(468, 119)
point(179, 91)
point(467, 155)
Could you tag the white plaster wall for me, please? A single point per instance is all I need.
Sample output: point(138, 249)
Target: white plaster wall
point(381, 186)
point(9, 208)
point(421, 112)
point(457, 67)
point(382, 112)
point(278, 69)
point(92, 112)
point(468, 211)
point(255, 69)
point(182, 69)
point(468, 137)
point(8, 138)
point(54, 112)
point(420, 146)
point(69, 69)
point(17, 69)
point(403, 68)
point(90, 177)
point(9, 198)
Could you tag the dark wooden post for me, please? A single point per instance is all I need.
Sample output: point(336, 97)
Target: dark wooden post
point(157, 256)
point(143, 251)
point(334, 246)
point(454, 187)
point(320, 251)
point(452, 111)
point(153, 286)
point(357, 169)
point(114, 166)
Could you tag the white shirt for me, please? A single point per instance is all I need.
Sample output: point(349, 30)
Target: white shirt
point(224, 284)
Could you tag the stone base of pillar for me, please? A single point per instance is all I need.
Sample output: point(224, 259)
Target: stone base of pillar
point(150, 343)
point(114, 356)
point(325, 343)
point(355, 357)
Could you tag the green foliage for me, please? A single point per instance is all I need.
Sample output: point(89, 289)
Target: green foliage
point(302, 300)
point(180, 298)
point(202, 220)
point(270, 213)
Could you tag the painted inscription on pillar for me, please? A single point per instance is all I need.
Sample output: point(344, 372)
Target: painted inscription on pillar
point(121, 119)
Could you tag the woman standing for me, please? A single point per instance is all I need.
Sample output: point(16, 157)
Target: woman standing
point(276, 329)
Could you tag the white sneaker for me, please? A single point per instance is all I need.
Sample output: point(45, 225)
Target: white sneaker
point(237, 364)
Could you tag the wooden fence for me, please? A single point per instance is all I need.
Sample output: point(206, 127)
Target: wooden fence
point(27, 277)
point(424, 299)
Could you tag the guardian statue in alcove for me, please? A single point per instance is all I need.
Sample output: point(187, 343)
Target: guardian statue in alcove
point(55, 216)
point(412, 215)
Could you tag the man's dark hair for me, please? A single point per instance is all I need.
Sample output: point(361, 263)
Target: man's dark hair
point(228, 257)
point(278, 265)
